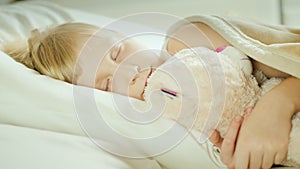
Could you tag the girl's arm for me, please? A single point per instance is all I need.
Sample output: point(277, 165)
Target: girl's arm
point(199, 34)
point(264, 136)
point(257, 138)
point(289, 90)
point(194, 35)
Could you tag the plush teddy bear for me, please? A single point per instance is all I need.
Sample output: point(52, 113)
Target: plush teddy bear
point(205, 89)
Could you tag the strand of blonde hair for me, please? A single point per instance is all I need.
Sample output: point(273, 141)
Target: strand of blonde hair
point(54, 51)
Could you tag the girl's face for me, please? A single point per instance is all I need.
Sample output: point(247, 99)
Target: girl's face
point(125, 65)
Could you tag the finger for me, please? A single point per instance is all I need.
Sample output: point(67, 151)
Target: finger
point(255, 160)
point(248, 111)
point(280, 157)
point(216, 139)
point(228, 145)
point(242, 160)
point(230, 166)
point(268, 160)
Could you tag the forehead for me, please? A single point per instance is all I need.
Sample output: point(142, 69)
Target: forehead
point(95, 52)
point(100, 43)
point(107, 36)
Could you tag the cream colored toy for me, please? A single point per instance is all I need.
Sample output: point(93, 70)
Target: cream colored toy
point(204, 89)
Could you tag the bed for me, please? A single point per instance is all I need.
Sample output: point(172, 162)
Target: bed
point(39, 124)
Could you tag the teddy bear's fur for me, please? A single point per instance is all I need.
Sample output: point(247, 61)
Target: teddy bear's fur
point(235, 91)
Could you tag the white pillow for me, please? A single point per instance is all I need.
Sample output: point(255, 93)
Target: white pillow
point(19, 18)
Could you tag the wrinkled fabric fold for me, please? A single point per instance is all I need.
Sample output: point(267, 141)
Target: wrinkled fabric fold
point(277, 46)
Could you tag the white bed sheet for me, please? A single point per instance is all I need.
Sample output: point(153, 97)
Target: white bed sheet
point(28, 148)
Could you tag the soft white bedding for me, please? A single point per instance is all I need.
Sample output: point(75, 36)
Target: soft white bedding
point(28, 148)
point(39, 127)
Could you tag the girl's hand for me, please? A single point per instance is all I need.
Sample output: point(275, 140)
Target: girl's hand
point(227, 144)
point(265, 140)
point(264, 136)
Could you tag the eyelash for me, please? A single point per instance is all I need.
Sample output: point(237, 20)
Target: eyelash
point(107, 84)
point(115, 52)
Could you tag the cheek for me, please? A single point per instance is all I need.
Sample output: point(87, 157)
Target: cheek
point(136, 89)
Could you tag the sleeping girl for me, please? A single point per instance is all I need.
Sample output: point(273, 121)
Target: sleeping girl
point(125, 67)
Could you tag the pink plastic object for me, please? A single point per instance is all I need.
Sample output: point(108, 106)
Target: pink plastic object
point(220, 49)
point(168, 91)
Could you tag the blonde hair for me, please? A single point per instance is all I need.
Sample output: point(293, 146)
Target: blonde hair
point(54, 51)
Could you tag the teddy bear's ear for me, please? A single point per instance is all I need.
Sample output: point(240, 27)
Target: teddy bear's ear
point(239, 58)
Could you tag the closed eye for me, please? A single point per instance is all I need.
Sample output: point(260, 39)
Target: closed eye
point(107, 84)
point(115, 52)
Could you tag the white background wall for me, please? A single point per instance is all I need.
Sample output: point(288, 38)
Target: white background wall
point(5, 1)
point(267, 11)
point(291, 12)
point(264, 10)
